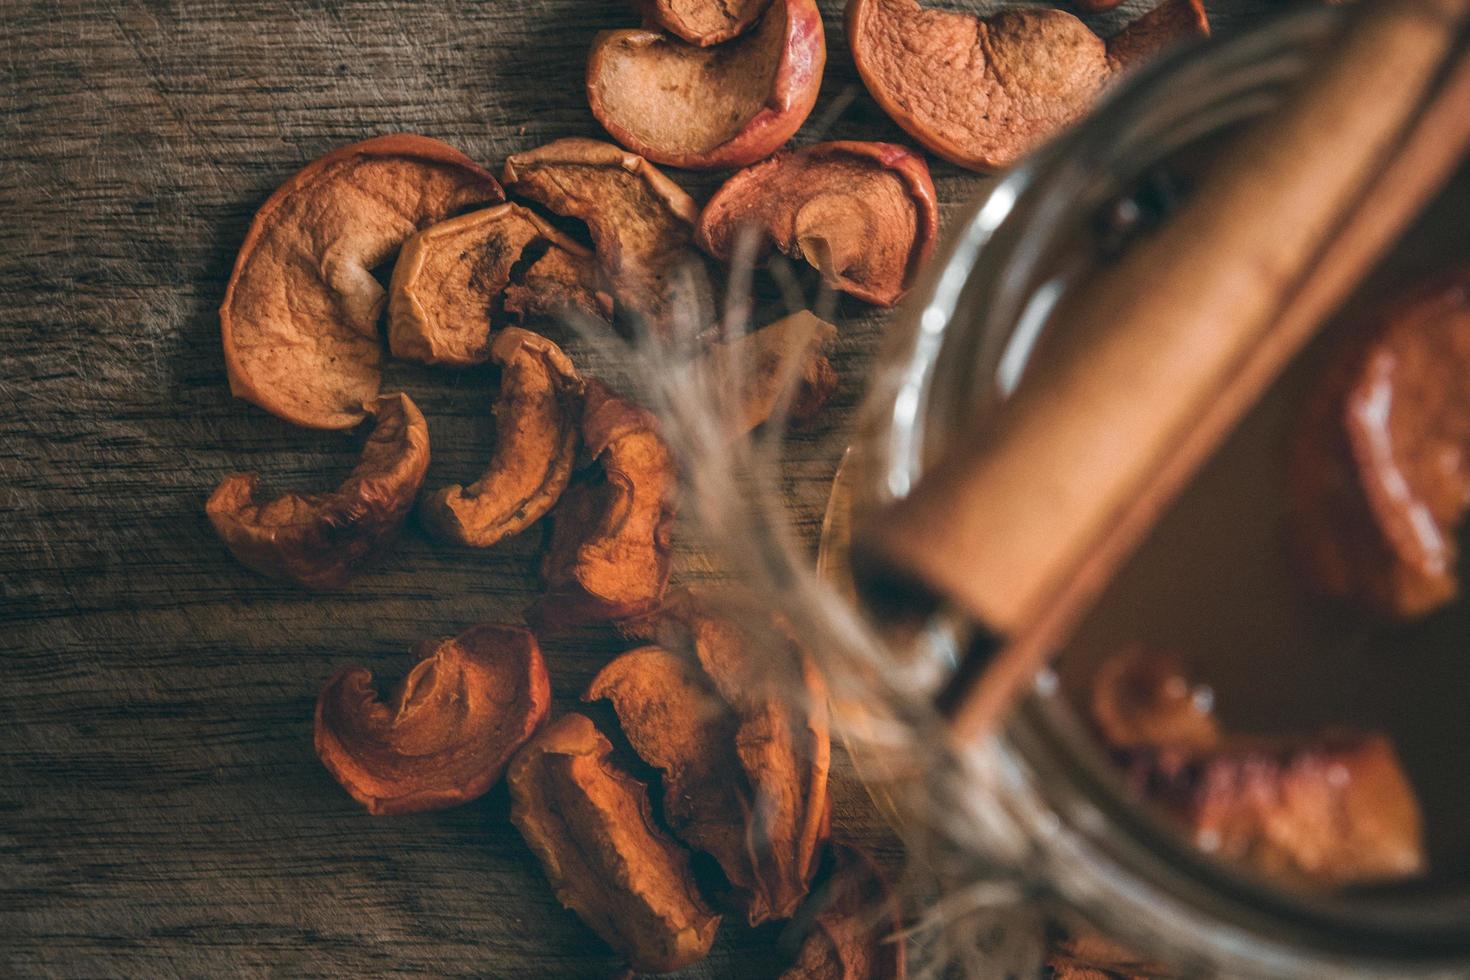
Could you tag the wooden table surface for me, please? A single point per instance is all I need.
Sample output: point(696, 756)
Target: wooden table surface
point(161, 809)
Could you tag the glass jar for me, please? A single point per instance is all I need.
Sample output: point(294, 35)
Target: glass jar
point(1054, 812)
point(1033, 818)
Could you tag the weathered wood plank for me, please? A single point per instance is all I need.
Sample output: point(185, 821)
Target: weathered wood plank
point(161, 811)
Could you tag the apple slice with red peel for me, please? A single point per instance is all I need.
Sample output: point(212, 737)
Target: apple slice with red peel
point(456, 281)
point(447, 733)
point(863, 214)
point(640, 221)
point(299, 321)
point(536, 424)
point(320, 540)
point(982, 92)
point(609, 553)
point(978, 91)
point(702, 108)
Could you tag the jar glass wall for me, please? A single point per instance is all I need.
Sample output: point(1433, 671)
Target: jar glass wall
point(960, 348)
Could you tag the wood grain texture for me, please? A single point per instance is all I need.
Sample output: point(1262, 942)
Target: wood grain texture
point(161, 810)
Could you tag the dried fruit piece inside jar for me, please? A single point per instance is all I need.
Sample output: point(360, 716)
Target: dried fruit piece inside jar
point(855, 930)
point(1380, 467)
point(757, 373)
point(591, 826)
point(447, 734)
point(1145, 700)
point(706, 107)
point(610, 549)
point(1334, 808)
point(300, 317)
point(537, 424)
point(451, 283)
point(703, 22)
point(641, 224)
point(863, 214)
point(320, 540)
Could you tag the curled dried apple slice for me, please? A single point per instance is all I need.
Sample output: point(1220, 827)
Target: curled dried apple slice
point(782, 735)
point(678, 724)
point(609, 554)
point(701, 108)
point(537, 422)
point(452, 280)
point(641, 223)
point(299, 320)
point(320, 540)
point(983, 91)
point(863, 214)
point(590, 824)
point(977, 91)
point(447, 734)
point(784, 748)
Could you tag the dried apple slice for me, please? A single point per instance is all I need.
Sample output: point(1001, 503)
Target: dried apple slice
point(703, 22)
point(610, 551)
point(702, 108)
point(451, 280)
point(1332, 808)
point(300, 317)
point(863, 214)
point(782, 736)
point(785, 751)
point(1380, 466)
point(447, 734)
point(641, 224)
point(319, 540)
point(537, 422)
point(1142, 700)
point(855, 928)
point(757, 370)
point(1163, 27)
point(979, 92)
point(591, 826)
point(678, 724)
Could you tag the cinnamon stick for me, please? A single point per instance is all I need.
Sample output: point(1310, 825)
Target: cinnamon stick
point(1169, 348)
